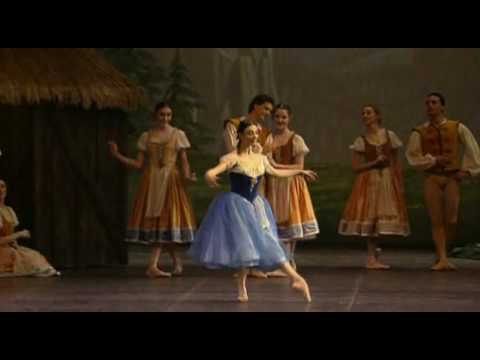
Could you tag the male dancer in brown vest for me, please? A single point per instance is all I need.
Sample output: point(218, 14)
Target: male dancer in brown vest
point(435, 148)
point(260, 108)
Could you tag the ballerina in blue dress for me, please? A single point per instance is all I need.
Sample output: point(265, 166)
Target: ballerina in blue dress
point(239, 231)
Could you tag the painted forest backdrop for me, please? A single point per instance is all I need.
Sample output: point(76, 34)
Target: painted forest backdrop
point(326, 88)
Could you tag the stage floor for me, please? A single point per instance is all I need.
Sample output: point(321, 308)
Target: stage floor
point(337, 281)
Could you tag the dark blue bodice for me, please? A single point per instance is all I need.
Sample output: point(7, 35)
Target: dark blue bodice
point(244, 185)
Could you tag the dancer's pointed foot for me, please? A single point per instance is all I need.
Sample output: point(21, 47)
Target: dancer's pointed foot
point(302, 286)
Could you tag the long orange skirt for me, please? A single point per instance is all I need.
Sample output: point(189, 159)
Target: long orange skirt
point(176, 223)
point(376, 206)
point(296, 219)
point(21, 261)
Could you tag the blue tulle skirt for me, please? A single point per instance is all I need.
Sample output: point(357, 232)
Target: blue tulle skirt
point(237, 233)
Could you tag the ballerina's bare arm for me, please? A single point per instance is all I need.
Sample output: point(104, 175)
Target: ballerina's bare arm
point(299, 158)
point(286, 173)
point(211, 176)
point(299, 164)
point(133, 163)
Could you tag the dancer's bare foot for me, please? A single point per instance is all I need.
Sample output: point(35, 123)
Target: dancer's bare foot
point(440, 266)
point(155, 273)
point(376, 265)
point(444, 266)
point(277, 274)
point(301, 285)
point(257, 274)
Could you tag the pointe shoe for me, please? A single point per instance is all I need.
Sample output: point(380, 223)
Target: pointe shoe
point(242, 294)
point(156, 273)
point(302, 286)
point(258, 274)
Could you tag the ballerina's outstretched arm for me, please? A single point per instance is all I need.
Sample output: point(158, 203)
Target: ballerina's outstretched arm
point(284, 173)
point(298, 163)
point(211, 176)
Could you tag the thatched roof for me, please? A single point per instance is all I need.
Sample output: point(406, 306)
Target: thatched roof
point(67, 76)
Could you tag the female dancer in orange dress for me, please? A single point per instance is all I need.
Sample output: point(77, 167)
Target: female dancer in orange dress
point(16, 260)
point(376, 206)
point(290, 198)
point(162, 214)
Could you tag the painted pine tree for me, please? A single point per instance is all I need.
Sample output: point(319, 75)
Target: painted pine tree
point(173, 85)
point(141, 67)
point(186, 102)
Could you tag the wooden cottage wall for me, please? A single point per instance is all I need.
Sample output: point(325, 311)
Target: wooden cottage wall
point(80, 193)
point(16, 163)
